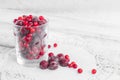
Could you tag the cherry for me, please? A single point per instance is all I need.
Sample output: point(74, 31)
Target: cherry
point(93, 71)
point(80, 70)
point(43, 64)
point(55, 44)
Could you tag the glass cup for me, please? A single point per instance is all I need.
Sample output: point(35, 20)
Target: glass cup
point(30, 44)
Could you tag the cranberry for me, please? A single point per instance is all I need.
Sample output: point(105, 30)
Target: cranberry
point(20, 18)
point(41, 53)
point(51, 54)
point(27, 39)
point(41, 17)
point(19, 22)
point(49, 46)
point(25, 22)
point(32, 30)
point(31, 16)
point(67, 56)
point(26, 45)
point(30, 24)
point(74, 66)
point(29, 35)
point(44, 64)
point(70, 65)
point(93, 71)
point(80, 70)
point(55, 44)
point(53, 65)
point(15, 20)
point(35, 23)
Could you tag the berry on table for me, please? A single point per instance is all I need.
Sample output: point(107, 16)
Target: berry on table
point(51, 54)
point(55, 45)
point(44, 64)
point(80, 70)
point(93, 71)
point(53, 65)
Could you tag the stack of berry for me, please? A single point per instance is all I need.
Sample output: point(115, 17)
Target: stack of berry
point(30, 32)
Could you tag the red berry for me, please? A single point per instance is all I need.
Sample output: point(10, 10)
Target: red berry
point(55, 44)
point(41, 17)
point(70, 65)
point(74, 66)
point(26, 45)
point(20, 18)
point(15, 20)
point(93, 71)
point(41, 53)
point(32, 30)
point(44, 64)
point(31, 16)
point(49, 46)
point(67, 57)
point(51, 54)
point(35, 23)
point(80, 70)
point(73, 62)
point(25, 22)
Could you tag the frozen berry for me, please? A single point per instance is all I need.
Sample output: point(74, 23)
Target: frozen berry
point(80, 70)
point(53, 65)
point(64, 62)
point(52, 58)
point(60, 56)
point(55, 44)
point(93, 71)
point(51, 54)
point(44, 64)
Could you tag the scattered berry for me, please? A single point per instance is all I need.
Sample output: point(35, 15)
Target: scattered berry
point(80, 70)
point(44, 64)
point(93, 71)
point(74, 66)
point(53, 65)
point(51, 54)
point(55, 44)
